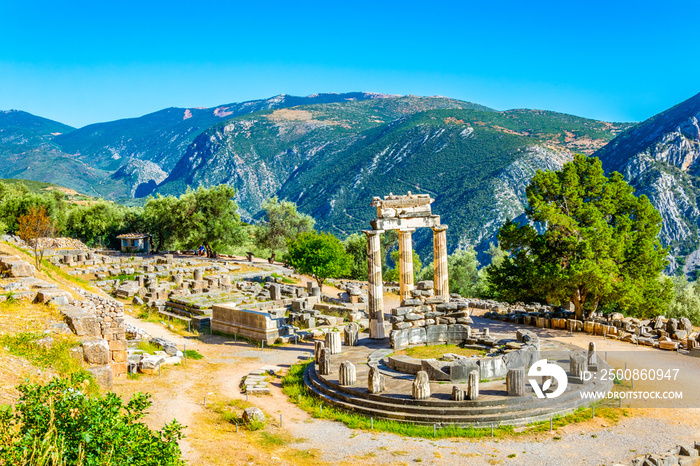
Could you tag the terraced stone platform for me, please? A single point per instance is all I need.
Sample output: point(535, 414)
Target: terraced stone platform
point(492, 407)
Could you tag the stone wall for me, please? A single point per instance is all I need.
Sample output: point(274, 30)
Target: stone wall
point(428, 319)
point(659, 332)
point(256, 325)
point(102, 318)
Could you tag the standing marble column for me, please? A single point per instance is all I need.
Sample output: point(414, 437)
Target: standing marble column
point(442, 287)
point(333, 343)
point(406, 263)
point(318, 346)
point(375, 292)
point(515, 382)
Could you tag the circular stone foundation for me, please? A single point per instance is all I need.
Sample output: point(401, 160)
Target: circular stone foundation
point(492, 407)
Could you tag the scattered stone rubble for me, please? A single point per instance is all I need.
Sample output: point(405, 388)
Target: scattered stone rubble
point(25, 286)
point(282, 319)
point(354, 291)
point(253, 415)
point(502, 355)
point(255, 382)
point(14, 267)
point(189, 288)
point(136, 333)
point(146, 363)
point(54, 244)
point(681, 455)
point(659, 332)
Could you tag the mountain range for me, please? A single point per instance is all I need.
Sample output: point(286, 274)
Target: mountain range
point(331, 153)
point(660, 157)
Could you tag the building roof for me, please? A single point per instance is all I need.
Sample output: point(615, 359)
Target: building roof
point(134, 236)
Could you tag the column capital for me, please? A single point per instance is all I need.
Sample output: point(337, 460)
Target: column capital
point(439, 228)
point(372, 232)
point(406, 230)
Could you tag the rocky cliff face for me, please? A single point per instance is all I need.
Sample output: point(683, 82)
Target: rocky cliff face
point(141, 176)
point(660, 158)
point(259, 153)
point(510, 200)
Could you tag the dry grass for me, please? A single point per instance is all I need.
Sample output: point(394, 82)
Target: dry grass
point(290, 115)
point(15, 318)
point(215, 435)
point(49, 272)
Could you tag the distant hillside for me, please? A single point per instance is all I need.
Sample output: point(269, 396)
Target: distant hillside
point(331, 160)
point(21, 131)
point(28, 151)
point(140, 152)
point(330, 153)
point(661, 158)
point(257, 153)
point(41, 187)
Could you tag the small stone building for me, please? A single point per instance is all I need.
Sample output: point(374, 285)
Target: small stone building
point(135, 242)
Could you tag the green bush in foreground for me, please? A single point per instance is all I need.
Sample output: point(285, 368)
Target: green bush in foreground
point(58, 424)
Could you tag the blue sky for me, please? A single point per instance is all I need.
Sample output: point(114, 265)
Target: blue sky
point(85, 62)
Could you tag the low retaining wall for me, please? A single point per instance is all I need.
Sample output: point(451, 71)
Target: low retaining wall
point(489, 367)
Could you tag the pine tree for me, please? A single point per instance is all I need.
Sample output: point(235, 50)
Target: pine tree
point(591, 242)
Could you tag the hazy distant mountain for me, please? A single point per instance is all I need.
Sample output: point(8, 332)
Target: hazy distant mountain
point(142, 151)
point(21, 131)
point(28, 151)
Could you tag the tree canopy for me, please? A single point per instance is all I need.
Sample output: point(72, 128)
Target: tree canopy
point(591, 242)
point(209, 218)
point(320, 255)
point(282, 223)
point(33, 226)
point(164, 217)
point(392, 274)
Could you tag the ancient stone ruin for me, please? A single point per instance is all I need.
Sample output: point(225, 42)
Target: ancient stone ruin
point(490, 386)
point(405, 214)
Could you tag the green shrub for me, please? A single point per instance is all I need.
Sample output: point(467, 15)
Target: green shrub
point(686, 300)
point(59, 424)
